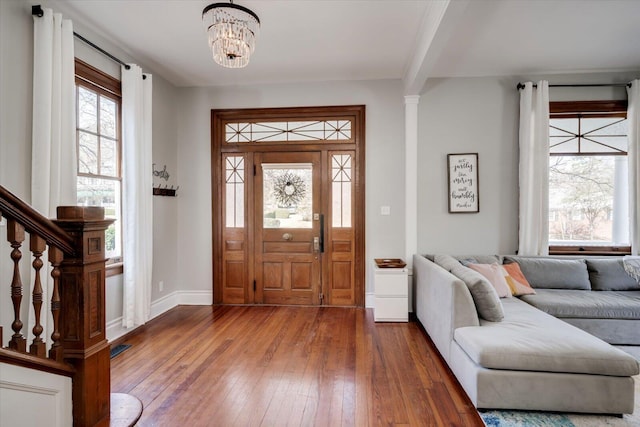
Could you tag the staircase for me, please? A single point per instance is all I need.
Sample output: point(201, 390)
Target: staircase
point(77, 348)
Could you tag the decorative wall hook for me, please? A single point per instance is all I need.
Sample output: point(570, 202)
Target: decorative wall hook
point(166, 191)
point(160, 190)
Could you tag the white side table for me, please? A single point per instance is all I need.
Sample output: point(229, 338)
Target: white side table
point(391, 294)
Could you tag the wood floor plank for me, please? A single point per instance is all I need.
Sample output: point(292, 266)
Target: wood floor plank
point(364, 367)
point(281, 405)
point(287, 366)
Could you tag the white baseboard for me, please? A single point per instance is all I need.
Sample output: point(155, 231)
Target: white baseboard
point(369, 300)
point(163, 304)
point(115, 329)
point(195, 298)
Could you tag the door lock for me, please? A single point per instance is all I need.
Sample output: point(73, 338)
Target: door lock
point(287, 236)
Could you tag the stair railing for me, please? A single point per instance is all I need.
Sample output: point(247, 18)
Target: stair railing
point(78, 347)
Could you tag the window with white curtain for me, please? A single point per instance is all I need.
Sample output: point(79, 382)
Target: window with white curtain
point(98, 141)
point(588, 177)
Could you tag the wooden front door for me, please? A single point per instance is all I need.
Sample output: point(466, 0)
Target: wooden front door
point(288, 206)
point(288, 240)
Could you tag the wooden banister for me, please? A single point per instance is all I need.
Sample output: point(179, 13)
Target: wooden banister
point(83, 323)
point(79, 347)
point(33, 222)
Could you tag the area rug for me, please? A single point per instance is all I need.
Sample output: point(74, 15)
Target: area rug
point(524, 419)
point(546, 419)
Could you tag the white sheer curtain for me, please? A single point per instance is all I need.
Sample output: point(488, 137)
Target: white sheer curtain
point(534, 169)
point(633, 118)
point(53, 142)
point(137, 200)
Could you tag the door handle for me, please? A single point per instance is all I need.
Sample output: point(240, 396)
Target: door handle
point(321, 238)
point(318, 241)
point(287, 236)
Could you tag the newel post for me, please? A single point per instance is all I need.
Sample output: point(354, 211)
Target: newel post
point(82, 313)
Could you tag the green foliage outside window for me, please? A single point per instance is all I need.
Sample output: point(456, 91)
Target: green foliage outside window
point(110, 238)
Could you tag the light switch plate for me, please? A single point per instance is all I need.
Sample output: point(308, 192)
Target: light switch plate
point(385, 210)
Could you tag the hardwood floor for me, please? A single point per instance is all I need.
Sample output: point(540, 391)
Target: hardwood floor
point(277, 366)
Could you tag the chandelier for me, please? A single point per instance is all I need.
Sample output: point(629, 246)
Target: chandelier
point(232, 32)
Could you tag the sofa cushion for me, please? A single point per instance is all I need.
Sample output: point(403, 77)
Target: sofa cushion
point(479, 259)
point(530, 340)
point(610, 275)
point(587, 304)
point(553, 273)
point(446, 261)
point(483, 294)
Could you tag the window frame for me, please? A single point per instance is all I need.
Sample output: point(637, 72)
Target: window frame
point(579, 109)
point(109, 87)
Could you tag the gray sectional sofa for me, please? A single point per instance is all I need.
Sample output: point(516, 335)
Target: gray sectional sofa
point(535, 352)
point(610, 309)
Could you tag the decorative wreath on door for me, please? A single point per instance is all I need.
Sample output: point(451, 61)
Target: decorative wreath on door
point(289, 189)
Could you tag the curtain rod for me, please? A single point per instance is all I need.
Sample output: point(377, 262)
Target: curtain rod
point(521, 85)
point(37, 10)
point(102, 51)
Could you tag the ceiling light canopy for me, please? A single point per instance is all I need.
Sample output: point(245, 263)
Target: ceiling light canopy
point(232, 32)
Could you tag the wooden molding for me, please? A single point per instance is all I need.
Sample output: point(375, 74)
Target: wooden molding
point(590, 250)
point(607, 108)
point(97, 79)
point(33, 362)
point(114, 269)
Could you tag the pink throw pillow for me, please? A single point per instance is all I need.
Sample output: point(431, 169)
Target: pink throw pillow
point(495, 274)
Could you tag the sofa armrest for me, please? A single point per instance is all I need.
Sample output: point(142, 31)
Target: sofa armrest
point(443, 303)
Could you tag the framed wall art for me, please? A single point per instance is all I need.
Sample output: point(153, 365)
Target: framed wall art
point(462, 170)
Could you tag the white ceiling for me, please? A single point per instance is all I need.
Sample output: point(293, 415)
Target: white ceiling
point(320, 40)
point(520, 37)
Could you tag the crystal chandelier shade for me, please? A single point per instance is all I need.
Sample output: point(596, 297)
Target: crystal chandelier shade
point(232, 31)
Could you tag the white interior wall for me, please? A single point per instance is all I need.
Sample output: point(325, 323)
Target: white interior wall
point(481, 115)
point(16, 48)
point(468, 116)
point(165, 209)
point(16, 53)
point(384, 158)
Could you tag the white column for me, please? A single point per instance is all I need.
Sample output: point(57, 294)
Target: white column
point(411, 176)
point(620, 229)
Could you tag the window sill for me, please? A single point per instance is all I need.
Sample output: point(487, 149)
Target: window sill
point(590, 250)
point(114, 269)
